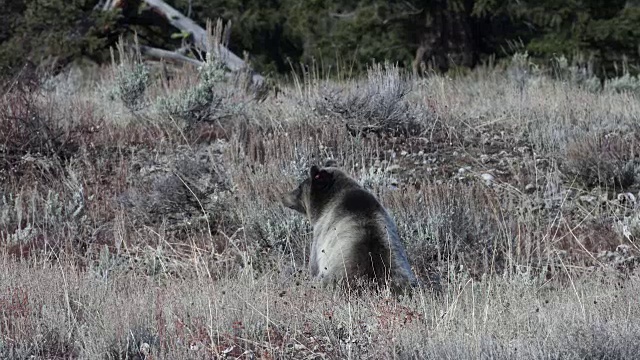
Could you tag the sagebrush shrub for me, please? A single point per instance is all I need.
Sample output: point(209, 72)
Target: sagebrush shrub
point(206, 101)
point(377, 104)
point(35, 138)
point(131, 84)
point(604, 159)
point(624, 83)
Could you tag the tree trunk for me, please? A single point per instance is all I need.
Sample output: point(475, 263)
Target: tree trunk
point(446, 39)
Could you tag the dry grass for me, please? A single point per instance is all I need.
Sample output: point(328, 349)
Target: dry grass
point(146, 233)
point(56, 310)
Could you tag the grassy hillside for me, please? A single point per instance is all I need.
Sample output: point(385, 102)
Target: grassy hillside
point(139, 215)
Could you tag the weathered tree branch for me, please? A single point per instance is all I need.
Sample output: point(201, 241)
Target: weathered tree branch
point(166, 54)
point(198, 35)
point(179, 21)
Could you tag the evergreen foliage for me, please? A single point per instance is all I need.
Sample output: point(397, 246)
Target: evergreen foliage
point(54, 31)
point(606, 31)
point(277, 33)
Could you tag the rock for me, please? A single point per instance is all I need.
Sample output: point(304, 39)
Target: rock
point(588, 199)
point(488, 179)
point(627, 198)
point(463, 170)
point(403, 153)
point(501, 172)
point(145, 349)
point(607, 256)
point(623, 249)
point(562, 253)
point(604, 197)
point(394, 168)
point(568, 193)
point(542, 163)
point(530, 188)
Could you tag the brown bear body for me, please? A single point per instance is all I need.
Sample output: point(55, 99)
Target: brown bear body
point(354, 238)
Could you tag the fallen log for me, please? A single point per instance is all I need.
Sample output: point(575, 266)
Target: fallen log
point(181, 22)
point(166, 54)
point(198, 35)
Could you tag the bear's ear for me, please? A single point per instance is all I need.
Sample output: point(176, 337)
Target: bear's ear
point(320, 178)
point(314, 171)
point(331, 163)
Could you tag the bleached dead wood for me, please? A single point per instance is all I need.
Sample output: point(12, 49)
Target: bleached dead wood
point(166, 54)
point(198, 34)
point(179, 21)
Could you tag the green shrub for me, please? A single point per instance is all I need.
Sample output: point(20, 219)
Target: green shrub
point(624, 83)
point(131, 84)
point(207, 101)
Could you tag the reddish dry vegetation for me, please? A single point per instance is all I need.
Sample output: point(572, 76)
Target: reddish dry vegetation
point(144, 234)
